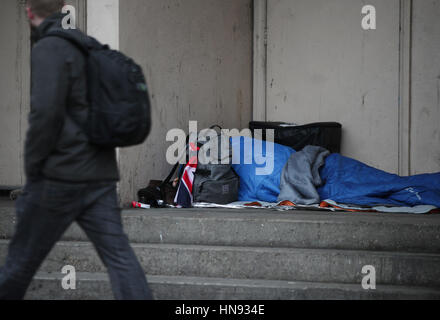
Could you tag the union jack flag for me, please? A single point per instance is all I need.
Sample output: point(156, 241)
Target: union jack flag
point(184, 195)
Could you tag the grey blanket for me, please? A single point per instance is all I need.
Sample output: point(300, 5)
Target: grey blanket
point(300, 176)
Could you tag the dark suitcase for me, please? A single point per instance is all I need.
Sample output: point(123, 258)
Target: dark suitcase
point(324, 134)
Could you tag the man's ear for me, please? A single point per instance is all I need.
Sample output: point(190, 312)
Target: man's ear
point(30, 14)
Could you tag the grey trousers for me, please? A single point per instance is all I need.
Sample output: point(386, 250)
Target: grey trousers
point(44, 212)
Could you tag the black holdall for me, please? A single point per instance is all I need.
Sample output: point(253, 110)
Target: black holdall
point(323, 134)
point(158, 194)
point(119, 114)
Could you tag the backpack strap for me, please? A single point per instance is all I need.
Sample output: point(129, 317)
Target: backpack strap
point(73, 39)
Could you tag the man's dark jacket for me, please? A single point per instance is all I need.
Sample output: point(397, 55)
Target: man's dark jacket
point(56, 145)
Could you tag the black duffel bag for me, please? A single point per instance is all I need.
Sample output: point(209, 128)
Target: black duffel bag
point(323, 134)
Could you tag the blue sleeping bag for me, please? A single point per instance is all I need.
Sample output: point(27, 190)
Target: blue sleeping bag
point(352, 182)
point(345, 180)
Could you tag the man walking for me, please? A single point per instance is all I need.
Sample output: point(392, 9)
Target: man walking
point(68, 179)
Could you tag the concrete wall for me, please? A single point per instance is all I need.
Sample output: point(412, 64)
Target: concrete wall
point(322, 66)
point(14, 90)
point(425, 93)
point(197, 57)
point(103, 21)
point(382, 85)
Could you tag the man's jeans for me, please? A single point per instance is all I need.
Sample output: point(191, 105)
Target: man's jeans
point(44, 212)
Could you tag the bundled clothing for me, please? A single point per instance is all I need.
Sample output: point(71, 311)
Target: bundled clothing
point(301, 177)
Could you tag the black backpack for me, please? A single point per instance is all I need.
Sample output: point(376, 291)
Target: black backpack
point(216, 183)
point(120, 111)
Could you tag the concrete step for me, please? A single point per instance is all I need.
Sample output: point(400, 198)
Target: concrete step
point(290, 264)
point(96, 286)
point(268, 228)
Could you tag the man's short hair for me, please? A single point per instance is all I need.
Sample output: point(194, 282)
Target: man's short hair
point(45, 8)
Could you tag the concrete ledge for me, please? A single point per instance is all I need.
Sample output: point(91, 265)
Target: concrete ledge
point(261, 228)
point(316, 265)
point(97, 287)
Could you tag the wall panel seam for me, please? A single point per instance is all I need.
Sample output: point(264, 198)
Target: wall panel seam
point(260, 61)
point(405, 50)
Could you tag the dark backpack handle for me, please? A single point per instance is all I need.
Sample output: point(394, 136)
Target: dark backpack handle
point(168, 179)
point(216, 126)
point(173, 170)
point(171, 174)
